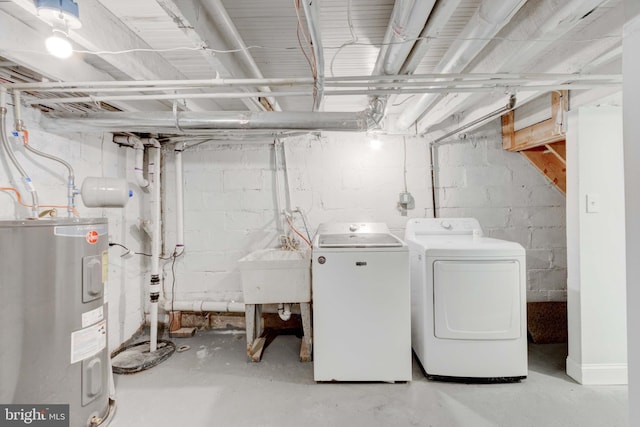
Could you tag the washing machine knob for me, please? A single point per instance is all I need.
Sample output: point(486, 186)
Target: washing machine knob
point(446, 225)
point(353, 227)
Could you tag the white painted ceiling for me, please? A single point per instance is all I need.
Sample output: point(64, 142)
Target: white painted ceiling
point(186, 40)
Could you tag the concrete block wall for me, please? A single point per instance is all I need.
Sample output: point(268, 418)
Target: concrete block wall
point(231, 208)
point(230, 200)
point(511, 199)
point(90, 155)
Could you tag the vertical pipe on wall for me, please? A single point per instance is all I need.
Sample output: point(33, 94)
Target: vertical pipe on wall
point(155, 284)
point(179, 200)
point(35, 208)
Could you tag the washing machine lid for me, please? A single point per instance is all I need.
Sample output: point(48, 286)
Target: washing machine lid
point(356, 235)
point(358, 240)
point(465, 246)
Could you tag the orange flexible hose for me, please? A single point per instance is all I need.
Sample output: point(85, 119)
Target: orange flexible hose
point(295, 230)
point(19, 198)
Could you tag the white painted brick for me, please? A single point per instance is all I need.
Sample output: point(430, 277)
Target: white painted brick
point(257, 200)
point(489, 175)
point(524, 173)
point(199, 240)
point(555, 279)
point(519, 216)
point(546, 195)
point(537, 296)
point(559, 257)
point(511, 196)
point(451, 176)
point(461, 154)
point(195, 220)
point(418, 179)
point(242, 180)
point(339, 199)
point(557, 295)
point(352, 179)
point(380, 179)
point(259, 157)
point(539, 259)
point(513, 234)
point(549, 237)
point(230, 201)
point(242, 220)
point(201, 180)
point(463, 197)
point(548, 216)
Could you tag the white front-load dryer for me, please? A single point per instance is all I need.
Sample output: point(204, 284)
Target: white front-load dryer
point(468, 301)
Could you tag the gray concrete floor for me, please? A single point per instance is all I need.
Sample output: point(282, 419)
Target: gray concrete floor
point(213, 384)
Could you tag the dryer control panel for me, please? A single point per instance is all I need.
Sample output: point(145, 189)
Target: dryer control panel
point(442, 226)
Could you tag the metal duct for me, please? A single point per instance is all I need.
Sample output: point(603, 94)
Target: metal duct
point(200, 122)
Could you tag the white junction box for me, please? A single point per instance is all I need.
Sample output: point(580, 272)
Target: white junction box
point(272, 276)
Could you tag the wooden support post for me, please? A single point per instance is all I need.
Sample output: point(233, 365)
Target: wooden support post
point(175, 326)
point(306, 348)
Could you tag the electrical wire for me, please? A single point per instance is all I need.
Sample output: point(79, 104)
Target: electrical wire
point(21, 202)
point(404, 142)
point(129, 251)
point(359, 43)
point(173, 277)
point(311, 59)
point(354, 38)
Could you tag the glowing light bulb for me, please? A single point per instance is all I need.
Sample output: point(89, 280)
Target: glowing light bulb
point(375, 143)
point(58, 45)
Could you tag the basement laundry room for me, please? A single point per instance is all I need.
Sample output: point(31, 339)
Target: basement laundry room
point(334, 212)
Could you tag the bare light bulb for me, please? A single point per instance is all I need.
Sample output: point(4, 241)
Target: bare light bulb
point(58, 45)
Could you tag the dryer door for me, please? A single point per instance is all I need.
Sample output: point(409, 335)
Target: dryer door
point(478, 300)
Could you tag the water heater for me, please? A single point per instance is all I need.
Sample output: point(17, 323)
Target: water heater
point(53, 314)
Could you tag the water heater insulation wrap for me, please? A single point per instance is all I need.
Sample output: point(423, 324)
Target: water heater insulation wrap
point(100, 192)
point(53, 343)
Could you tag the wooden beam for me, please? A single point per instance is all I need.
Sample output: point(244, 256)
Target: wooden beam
point(549, 164)
point(508, 131)
point(546, 132)
point(559, 149)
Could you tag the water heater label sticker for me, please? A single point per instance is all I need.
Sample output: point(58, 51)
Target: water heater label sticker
point(93, 316)
point(88, 341)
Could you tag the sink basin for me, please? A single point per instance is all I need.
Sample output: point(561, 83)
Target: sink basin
point(271, 276)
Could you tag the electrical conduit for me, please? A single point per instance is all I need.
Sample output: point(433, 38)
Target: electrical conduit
point(5, 143)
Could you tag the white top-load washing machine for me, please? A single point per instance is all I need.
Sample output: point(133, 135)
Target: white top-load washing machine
point(361, 304)
point(468, 301)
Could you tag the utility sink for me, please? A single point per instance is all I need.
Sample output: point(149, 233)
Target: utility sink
point(272, 276)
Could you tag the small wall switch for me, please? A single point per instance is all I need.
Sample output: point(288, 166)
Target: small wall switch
point(593, 203)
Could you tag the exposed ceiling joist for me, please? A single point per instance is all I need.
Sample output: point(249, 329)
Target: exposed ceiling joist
point(103, 32)
point(196, 23)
